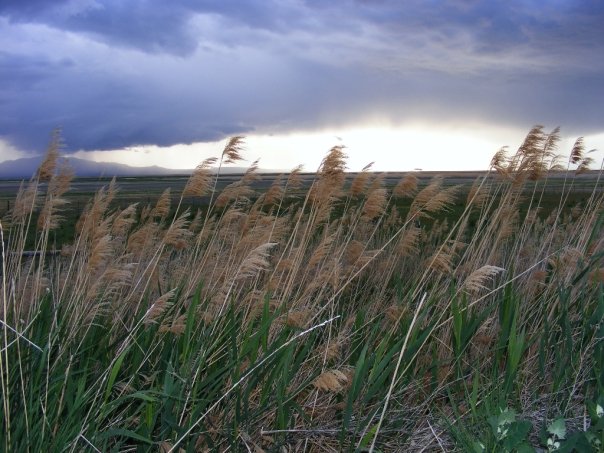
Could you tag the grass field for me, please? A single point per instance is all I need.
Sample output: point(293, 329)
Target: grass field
point(307, 312)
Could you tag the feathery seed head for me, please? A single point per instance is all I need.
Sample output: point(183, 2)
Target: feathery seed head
point(47, 167)
point(201, 179)
point(406, 187)
point(477, 279)
point(232, 151)
point(162, 207)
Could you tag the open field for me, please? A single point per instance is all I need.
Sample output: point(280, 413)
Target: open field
point(306, 312)
point(145, 189)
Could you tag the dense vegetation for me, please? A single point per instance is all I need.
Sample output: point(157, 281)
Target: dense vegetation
point(317, 320)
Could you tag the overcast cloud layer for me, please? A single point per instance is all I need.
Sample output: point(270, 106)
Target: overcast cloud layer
point(121, 73)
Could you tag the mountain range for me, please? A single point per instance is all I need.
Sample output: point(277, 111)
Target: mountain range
point(26, 167)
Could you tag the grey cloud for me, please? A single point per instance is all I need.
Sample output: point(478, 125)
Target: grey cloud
point(281, 66)
point(150, 26)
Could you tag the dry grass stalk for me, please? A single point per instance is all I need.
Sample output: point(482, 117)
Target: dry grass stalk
point(162, 207)
point(408, 244)
point(359, 183)
point(275, 192)
point(442, 261)
point(441, 201)
point(237, 191)
point(478, 196)
point(294, 180)
point(25, 203)
point(406, 187)
point(333, 349)
point(424, 196)
point(176, 327)
point(178, 234)
point(159, 307)
point(331, 381)
point(47, 168)
point(477, 279)
point(251, 174)
point(298, 318)
point(331, 176)
point(499, 162)
point(62, 181)
point(200, 181)
point(321, 251)
point(334, 164)
point(353, 252)
point(256, 261)
point(375, 204)
point(101, 252)
point(196, 223)
point(578, 151)
point(49, 218)
point(232, 150)
point(124, 221)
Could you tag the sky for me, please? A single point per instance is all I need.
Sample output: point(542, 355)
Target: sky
point(431, 84)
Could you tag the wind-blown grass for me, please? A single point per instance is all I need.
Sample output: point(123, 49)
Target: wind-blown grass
point(310, 320)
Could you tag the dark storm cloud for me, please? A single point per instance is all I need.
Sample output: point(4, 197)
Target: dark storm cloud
point(151, 26)
point(117, 73)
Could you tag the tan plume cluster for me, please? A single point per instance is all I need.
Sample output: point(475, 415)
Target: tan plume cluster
point(159, 307)
point(61, 182)
point(331, 176)
point(579, 157)
point(178, 234)
point(256, 261)
point(535, 157)
point(477, 279)
point(294, 180)
point(233, 149)
point(478, 195)
point(406, 187)
point(25, 203)
point(275, 192)
point(124, 220)
point(162, 207)
point(236, 191)
point(375, 204)
point(433, 198)
point(47, 168)
point(50, 219)
point(359, 183)
point(408, 243)
point(331, 381)
point(200, 181)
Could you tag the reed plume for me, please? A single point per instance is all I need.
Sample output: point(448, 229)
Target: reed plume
point(359, 183)
point(159, 307)
point(200, 181)
point(61, 183)
point(477, 279)
point(47, 168)
point(233, 149)
point(162, 207)
point(255, 262)
point(406, 187)
point(331, 381)
point(375, 204)
point(275, 192)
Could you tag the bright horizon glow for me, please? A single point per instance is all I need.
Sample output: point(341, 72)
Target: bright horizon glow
point(390, 148)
